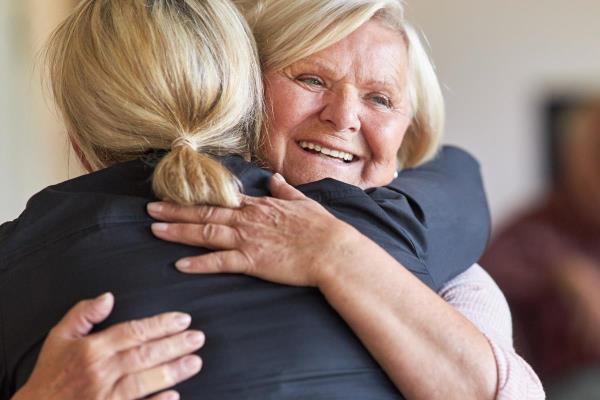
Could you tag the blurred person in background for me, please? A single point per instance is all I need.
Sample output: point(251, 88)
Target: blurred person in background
point(547, 262)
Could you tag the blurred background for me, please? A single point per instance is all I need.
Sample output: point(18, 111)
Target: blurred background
point(499, 62)
point(33, 146)
point(518, 76)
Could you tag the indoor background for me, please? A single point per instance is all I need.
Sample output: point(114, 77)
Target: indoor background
point(498, 62)
point(502, 64)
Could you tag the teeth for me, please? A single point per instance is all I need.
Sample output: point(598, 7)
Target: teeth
point(329, 152)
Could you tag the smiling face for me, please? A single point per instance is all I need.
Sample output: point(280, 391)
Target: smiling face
point(340, 113)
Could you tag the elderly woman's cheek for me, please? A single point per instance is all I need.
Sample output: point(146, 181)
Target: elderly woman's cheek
point(386, 137)
point(384, 140)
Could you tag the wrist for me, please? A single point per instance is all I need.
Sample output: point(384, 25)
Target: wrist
point(24, 393)
point(344, 243)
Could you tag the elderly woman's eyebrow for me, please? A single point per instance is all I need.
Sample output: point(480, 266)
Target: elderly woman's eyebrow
point(389, 83)
point(321, 65)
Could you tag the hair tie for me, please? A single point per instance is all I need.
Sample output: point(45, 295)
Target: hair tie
point(183, 141)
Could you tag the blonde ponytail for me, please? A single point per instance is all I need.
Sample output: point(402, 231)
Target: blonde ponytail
point(131, 76)
point(187, 177)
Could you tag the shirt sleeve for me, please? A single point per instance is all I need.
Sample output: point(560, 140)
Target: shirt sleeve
point(4, 386)
point(446, 203)
point(475, 294)
point(5, 229)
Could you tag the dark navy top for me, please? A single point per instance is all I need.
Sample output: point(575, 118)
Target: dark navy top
point(91, 234)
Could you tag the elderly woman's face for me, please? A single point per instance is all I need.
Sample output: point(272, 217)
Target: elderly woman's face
point(342, 112)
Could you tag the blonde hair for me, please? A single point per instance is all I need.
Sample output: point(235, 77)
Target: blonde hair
point(130, 76)
point(288, 31)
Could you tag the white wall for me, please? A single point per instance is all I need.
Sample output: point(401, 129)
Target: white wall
point(497, 60)
point(33, 148)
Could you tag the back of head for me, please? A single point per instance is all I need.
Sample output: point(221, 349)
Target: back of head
point(288, 31)
point(131, 76)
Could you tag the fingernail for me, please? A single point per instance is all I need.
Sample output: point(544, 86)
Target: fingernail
point(171, 396)
point(192, 363)
point(103, 301)
point(160, 227)
point(183, 264)
point(183, 320)
point(194, 338)
point(155, 207)
point(279, 177)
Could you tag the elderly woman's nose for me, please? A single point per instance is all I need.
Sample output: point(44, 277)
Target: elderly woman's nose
point(342, 110)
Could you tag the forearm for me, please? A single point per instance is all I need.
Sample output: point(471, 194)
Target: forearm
point(475, 295)
point(429, 350)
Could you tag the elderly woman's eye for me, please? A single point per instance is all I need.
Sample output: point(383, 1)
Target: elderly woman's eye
point(311, 80)
point(381, 101)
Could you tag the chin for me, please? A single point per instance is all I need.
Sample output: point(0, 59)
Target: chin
point(307, 177)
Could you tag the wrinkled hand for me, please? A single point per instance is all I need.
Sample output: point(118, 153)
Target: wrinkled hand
point(130, 360)
point(288, 239)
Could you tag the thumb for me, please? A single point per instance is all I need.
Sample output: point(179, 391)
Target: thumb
point(282, 190)
point(80, 319)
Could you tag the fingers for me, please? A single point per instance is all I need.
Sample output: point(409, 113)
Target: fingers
point(169, 395)
point(170, 212)
point(144, 383)
point(282, 190)
point(212, 236)
point(232, 261)
point(160, 351)
point(130, 334)
point(80, 319)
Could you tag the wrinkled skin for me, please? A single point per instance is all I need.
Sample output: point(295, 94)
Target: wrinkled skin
point(126, 361)
point(266, 238)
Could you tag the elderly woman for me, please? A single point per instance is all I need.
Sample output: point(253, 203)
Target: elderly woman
point(353, 78)
point(345, 105)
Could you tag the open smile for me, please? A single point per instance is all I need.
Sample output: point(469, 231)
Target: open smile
point(319, 149)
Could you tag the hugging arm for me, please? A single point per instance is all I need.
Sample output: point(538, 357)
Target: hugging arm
point(406, 327)
point(475, 294)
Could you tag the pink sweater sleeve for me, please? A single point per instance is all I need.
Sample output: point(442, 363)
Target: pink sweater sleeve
point(475, 294)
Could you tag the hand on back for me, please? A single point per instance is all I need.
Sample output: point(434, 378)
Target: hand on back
point(288, 238)
point(130, 360)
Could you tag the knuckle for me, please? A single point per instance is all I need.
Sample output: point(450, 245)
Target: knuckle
point(218, 263)
point(93, 376)
point(240, 236)
point(209, 231)
point(146, 355)
point(87, 350)
point(203, 213)
point(248, 265)
point(137, 330)
point(96, 375)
